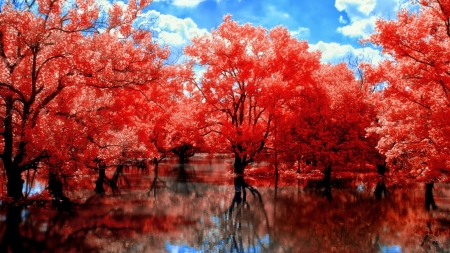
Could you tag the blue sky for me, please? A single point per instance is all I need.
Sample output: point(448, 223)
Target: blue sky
point(332, 26)
point(300, 16)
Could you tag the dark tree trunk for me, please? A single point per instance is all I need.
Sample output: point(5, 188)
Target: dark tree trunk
point(239, 190)
point(381, 169)
point(182, 158)
point(183, 152)
point(327, 183)
point(99, 183)
point(239, 165)
point(60, 201)
point(15, 182)
point(13, 172)
point(380, 189)
point(429, 198)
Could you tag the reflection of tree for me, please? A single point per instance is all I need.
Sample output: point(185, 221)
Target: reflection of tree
point(429, 198)
point(183, 178)
point(12, 240)
point(362, 226)
point(154, 185)
point(430, 242)
point(118, 179)
point(380, 189)
point(244, 226)
point(206, 217)
point(103, 224)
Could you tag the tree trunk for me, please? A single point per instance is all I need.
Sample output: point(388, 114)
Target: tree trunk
point(13, 173)
point(380, 189)
point(99, 183)
point(183, 152)
point(327, 183)
point(15, 182)
point(182, 158)
point(60, 201)
point(429, 198)
point(238, 165)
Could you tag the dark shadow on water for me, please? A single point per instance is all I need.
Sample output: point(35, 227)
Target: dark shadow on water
point(12, 240)
point(380, 191)
point(182, 178)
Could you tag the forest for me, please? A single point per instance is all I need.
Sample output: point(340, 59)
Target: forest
point(85, 91)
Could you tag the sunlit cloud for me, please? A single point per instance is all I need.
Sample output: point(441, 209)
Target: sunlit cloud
point(334, 52)
point(300, 33)
point(358, 28)
point(183, 3)
point(362, 14)
point(171, 30)
point(355, 7)
point(187, 3)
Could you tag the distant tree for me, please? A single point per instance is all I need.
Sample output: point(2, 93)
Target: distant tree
point(324, 124)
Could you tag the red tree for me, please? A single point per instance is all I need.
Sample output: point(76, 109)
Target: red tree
point(413, 118)
point(324, 125)
point(69, 90)
point(243, 66)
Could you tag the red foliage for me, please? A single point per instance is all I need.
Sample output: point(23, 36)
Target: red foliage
point(71, 94)
point(413, 108)
point(248, 73)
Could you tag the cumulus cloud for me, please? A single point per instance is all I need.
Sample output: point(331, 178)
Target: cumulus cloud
point(355, 7)
point(300, 33)
point(187, 3)
point(171, 30)
point(334, 52)
point(362, 14)
point(358, 28)
point(183, 3)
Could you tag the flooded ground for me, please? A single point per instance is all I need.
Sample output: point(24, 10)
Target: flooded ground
point(195, 209)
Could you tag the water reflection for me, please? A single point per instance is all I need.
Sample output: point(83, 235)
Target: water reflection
point(183, 176)
point(199, 208)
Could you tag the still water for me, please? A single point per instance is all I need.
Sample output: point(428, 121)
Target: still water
point(195, 209)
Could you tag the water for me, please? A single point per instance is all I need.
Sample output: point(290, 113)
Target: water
point(195, 209)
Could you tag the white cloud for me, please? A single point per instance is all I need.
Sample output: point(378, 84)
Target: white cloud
point(171, 38)
point(300, 33)
point(355, 7)
point(358, 28)
point(362, 14)
point(182, 3)
point(342, 20)
point(170, 29)
point(334, 52)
